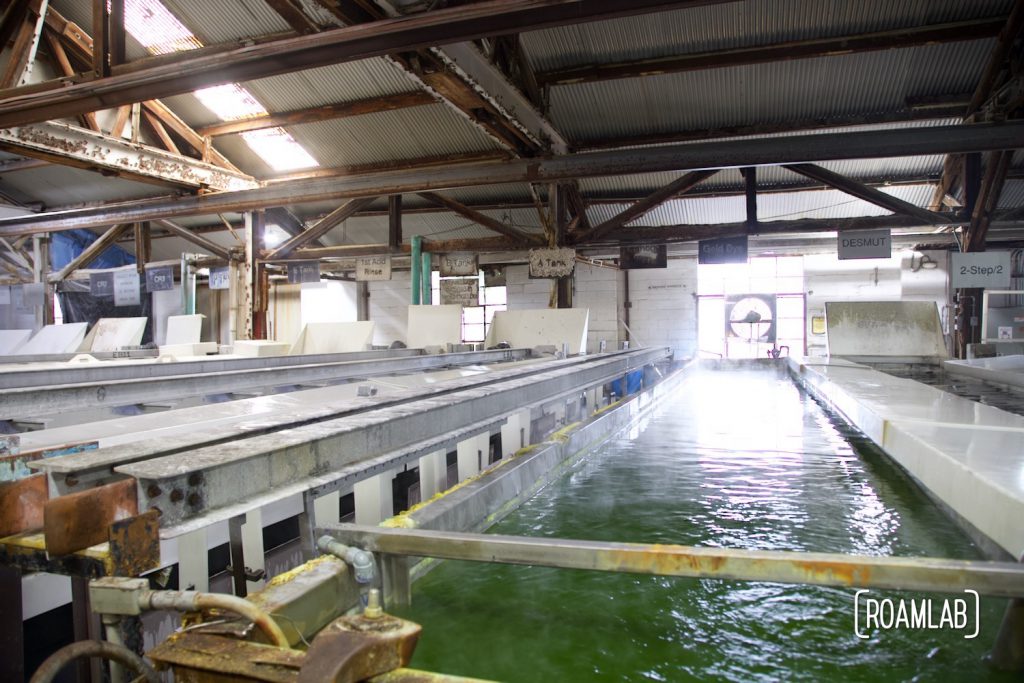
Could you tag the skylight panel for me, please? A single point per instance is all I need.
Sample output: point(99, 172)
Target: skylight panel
point(230, 102)
point(160, 32)
point(279, 149)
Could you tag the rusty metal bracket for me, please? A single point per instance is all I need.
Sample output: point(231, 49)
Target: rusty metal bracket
point(21, 504)
point(355, 648)
point(135, 544)
point(81, 520)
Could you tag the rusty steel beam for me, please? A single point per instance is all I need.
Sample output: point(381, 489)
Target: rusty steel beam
point(975, 29)
point(998, 61)
point(326, 112)
point(21, 504)
point(697, 156)
point(195, 239)
point(80, 520)
point(1003, 579)
point(87, 255)
point(397, 165)
point(320, 228)
point(319, 49)
point(479, 245)
point(479, 218)
point(953, 107)
point(655, 199)
point(82, 148)
point(868, 194)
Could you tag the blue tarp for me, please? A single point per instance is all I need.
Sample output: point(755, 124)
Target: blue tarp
point(68, 244)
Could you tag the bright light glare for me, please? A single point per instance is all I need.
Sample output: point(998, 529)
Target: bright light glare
point(160, 32)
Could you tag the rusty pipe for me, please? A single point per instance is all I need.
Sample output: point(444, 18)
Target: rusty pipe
point(49, 669)
point(192, 601)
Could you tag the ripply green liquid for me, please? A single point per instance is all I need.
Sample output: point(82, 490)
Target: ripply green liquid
point(735, 460)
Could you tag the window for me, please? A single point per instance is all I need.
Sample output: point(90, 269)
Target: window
point(750, 294)
point(476, 320)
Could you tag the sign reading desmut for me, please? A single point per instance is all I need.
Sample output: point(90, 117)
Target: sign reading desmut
point(458, 263)
point(864, 244)
point(989, 269)
point(873, 614)
point(373, 268)
point(723, 250)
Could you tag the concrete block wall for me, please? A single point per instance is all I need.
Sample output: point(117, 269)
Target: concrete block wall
point(601, 291)
point(389, 308)
point(664, 306)
point(524, 293)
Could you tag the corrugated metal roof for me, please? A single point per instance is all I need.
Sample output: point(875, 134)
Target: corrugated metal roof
point(331, 84)
point(56, 185)
point(221, 21)
point(765, 93)
point(738, 24)
point(427, 131)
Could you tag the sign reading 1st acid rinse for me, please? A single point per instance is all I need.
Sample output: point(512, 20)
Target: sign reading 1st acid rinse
point(988, 269)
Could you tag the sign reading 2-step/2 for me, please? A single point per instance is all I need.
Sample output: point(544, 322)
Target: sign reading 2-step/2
point(988, 269)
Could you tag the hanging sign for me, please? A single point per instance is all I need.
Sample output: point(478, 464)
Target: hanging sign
point(101, 284)
point(723, 250)
point(643, 256)
point(864, 244)
point(988, 269)
point(373, 268)
point(126, 288)
point(461, 292)
point(458, 263)
point(220, 278)
point(159, 278)
point(303, 271)
point(550, 263)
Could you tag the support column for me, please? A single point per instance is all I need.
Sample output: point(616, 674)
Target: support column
point(193, 561)
point(425, 274)
point(252, 541)
point(40, 274)
point(362, 301)
point(12, 634)
point(417, 245)
point(433, 474)
point(374, 502)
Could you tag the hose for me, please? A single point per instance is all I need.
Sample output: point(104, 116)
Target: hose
point(49, 669)
point(192, 601)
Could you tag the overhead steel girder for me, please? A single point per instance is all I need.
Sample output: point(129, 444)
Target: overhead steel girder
point(708, 155)
point(465, 22)
point(83, 148)
point(221, 477)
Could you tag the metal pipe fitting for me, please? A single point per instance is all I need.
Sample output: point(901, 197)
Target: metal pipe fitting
point(364, 568)
point(192, 601)
point(49, 669)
